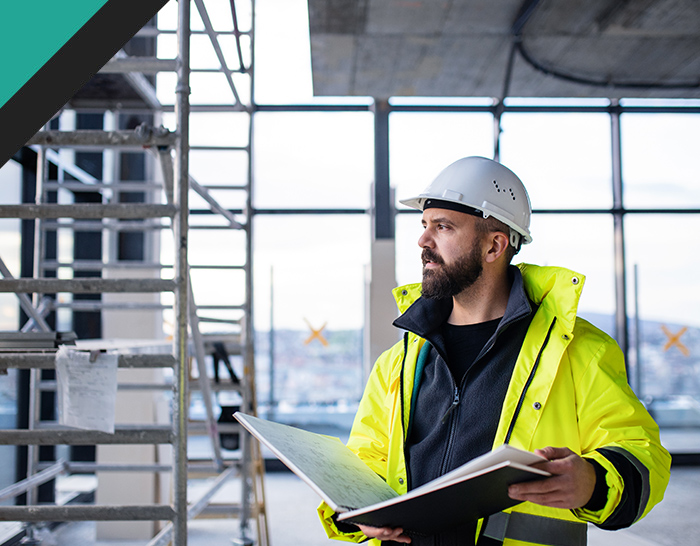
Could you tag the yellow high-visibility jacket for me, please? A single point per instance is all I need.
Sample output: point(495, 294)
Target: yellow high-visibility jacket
point(568, 389)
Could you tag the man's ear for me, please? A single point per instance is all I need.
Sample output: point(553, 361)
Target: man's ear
point(498, 243)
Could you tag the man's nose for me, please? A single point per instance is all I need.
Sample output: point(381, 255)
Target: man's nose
point(425, 240)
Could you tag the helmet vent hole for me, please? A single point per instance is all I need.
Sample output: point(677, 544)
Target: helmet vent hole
point(495, 185)
point(511, 193)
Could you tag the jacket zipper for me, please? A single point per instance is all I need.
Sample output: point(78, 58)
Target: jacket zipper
point(455, 403)
point(402, 395)
point(456, 395)
point(528, 382)
point(453, 426)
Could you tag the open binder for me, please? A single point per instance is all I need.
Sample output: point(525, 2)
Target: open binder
point(474, 490)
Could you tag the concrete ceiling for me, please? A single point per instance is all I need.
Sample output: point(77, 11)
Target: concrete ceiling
point(571, 48)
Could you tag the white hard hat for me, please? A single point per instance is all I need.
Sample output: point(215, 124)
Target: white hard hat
point(485, 185)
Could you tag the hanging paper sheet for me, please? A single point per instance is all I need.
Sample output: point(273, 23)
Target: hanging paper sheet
point(87, 389)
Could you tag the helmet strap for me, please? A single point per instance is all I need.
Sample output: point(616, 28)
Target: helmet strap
point(516, 240)
point(451, 205)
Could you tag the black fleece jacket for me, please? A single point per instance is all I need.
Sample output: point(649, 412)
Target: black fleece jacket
point(455, 419)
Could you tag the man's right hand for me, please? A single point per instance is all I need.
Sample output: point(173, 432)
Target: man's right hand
point(385, 533)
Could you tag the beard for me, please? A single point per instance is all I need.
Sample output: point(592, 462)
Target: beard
point(450, 280)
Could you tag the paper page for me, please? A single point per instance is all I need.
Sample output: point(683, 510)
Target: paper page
point(87, 391)
point(323, 462)
point(499, 455)
point(431, 510)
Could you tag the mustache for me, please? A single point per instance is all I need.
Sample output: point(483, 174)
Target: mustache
point(430, 256)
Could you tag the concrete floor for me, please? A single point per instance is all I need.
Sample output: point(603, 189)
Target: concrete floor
point(291, 507)
point(293, 520)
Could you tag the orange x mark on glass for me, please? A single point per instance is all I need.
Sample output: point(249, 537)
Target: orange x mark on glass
point(674, 339)
point(316, 334)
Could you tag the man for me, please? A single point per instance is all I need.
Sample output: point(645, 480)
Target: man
point(495, 354)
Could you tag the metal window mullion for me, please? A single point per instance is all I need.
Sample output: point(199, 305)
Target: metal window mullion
point(383, 207)
point(621, 330)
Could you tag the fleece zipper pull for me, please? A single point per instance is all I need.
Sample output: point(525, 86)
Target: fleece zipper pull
point(455, 403)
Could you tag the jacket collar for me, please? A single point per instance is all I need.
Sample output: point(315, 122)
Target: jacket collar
point(556, 289)
point(426, 316)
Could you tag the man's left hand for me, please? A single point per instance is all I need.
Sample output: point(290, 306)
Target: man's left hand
point(570, 486)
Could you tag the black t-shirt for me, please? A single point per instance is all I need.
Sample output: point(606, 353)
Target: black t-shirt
point(463, 344)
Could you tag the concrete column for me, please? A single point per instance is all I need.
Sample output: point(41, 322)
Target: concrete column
point(145, 407)
point(380, 306)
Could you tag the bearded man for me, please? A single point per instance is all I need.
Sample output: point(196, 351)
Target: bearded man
point(494, 354)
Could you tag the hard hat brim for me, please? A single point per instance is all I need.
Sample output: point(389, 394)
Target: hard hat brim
point(418, 203)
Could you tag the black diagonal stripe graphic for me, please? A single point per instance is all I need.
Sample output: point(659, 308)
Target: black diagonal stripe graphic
point(69, 69)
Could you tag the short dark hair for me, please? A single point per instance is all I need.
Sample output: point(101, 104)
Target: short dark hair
point(484, 226)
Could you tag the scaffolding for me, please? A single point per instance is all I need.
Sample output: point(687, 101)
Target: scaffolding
point(66, 286)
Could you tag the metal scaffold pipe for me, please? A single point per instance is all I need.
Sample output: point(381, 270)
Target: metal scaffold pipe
point(86, 286)
point(131, 211)
point(103, 139)
point(47, 361)
point(180, 224)
point(50, 436)
point(148, 512)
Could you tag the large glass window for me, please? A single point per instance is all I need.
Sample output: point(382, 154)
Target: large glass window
point(219, 129)
point(422, 144)
point(313, 160)
point(408, 262)
point(310, 280)
point(660, 160)
point(222, 170)
point(667, 329)
point(562, 158)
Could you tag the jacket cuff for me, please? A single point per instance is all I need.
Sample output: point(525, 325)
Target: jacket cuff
point(610, 482)
point(626, 498)
point(600, 492)
point(635, 493)
point(335, 529)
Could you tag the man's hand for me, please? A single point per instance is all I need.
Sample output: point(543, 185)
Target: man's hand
point(570, 486)
point(385, 533)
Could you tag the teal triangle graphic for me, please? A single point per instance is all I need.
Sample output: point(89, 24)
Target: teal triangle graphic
point(31, 32)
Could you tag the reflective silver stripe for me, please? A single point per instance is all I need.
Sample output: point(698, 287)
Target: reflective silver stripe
point(535, 529)
point(643, 474)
